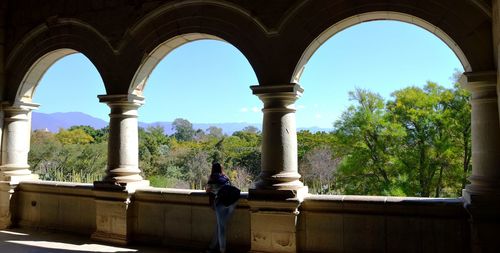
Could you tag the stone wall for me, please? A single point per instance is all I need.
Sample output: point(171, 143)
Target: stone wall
point(382, 224)
point(56, 206)
point(182, 218)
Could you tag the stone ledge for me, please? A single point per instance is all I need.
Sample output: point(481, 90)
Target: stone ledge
point(180, 196)
point(403, 206)
point(55, 187)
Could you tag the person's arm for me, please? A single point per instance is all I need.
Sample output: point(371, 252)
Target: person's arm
point(211, 195)
point(211, 199)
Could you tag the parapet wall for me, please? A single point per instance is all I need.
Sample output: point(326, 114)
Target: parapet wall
point(56, 206)
point(182, 218)
point(382, 224)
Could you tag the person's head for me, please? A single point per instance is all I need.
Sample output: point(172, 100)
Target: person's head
point(217, 168)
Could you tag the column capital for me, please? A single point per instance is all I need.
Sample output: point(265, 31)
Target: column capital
point(122, 99)
point(278, 97)
point(479, 81)
point(18, 106)
point(290, 88)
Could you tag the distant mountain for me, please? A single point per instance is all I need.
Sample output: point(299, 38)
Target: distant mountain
point(54, 121)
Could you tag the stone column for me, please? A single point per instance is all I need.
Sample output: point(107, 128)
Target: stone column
point(278, 192)
point(14, 168)
point(16, 143)
point(279, 166)
point(114, 194)
point(123, 143)
point(482, 195)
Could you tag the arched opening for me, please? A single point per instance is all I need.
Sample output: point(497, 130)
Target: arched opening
point(37, 71)
point(398, 124)
point(68, 130)
point(152, 60)
point(374, 16)
point(199, 109)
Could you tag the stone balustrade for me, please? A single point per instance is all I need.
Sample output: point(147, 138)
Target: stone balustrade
point(326, 223)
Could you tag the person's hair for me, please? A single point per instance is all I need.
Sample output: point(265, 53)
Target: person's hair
point(217, 168)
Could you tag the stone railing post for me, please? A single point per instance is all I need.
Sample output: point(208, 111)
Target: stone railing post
point(114, 202)
point(482, 195)
point(278, 191)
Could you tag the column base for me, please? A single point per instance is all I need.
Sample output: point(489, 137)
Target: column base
point(273, 225)
point(115, 186)
point(273, 218)
point(113, 216)
point(484, 210)
point(7, 190)
point(279, 194)
point(15, 179)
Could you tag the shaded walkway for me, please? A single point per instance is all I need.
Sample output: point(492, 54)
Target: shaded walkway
point(41, 241)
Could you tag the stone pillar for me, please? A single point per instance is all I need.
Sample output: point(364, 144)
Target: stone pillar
point(15, 135)
point(114, 194)
point(278, 191)
point(123, 144)
point(279, 166)
point(3, 20)
point(482, 195)
point(16, 143)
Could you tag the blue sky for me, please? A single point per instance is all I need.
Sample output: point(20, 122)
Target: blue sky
point(194, 80)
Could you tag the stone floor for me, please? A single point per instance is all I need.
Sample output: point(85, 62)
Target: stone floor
point(38, 241)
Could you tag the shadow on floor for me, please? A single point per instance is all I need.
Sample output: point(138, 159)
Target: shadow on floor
point(38, 241)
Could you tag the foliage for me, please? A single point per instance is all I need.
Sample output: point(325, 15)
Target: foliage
point(67, 156)
point(74, 136)
point(183, 129)
point(368, 139)
point(417, 143)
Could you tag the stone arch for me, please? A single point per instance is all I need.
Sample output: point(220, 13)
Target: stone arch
point(464, 25)
point(156, 55)
point(373, 16)
point(43, 46)
point(170, 26)
point(35, 73)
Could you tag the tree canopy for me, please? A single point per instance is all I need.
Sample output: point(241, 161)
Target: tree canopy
point(416, 143)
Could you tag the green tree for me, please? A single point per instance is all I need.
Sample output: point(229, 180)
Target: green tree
point(369, 140)
point(215, 132)
point(99, 135)
point(307, 141)
point(425, 154)
point(75, 136)
point(461, 123)
point(251, 129)
point(72, 161)
point(43, 149)
point(197, 168)
point(153, 147)
point(183, 129)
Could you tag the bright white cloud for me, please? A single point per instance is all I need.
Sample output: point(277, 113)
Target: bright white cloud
point(255, 109)
point(318, 116)
point(244, 109)
point(301, 106)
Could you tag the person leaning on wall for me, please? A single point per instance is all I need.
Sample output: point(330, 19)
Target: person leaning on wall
point(223, 198)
